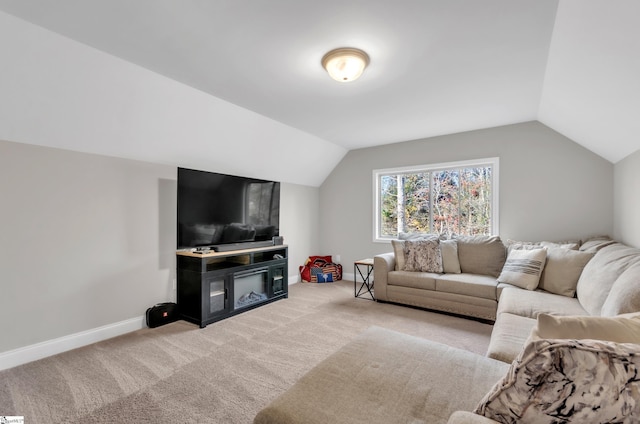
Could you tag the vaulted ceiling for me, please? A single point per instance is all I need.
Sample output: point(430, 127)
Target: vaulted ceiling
point(437, 66)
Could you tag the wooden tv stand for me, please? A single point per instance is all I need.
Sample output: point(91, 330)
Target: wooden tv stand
point(216, 285)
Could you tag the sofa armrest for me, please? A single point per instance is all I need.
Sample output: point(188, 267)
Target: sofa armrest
point(464, 417)
point(382, 265)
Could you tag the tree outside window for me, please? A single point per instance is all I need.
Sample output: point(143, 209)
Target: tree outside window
point(457, 199)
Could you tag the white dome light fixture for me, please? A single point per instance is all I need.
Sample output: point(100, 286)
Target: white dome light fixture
point(345, 64)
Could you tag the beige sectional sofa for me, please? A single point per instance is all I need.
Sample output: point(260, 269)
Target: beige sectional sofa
point(468, 288)
point(567, 332)
point(386, 377)
point(600, 277)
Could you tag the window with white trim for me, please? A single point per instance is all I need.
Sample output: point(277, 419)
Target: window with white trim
point(456, 198)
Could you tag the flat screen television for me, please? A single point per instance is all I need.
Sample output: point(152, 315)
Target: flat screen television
point(226, 212)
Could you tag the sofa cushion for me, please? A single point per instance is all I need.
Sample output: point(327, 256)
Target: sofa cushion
point(601, 272)
point(596, 243)
point(417, 236)
point(566, 244)
point(450, 261)
point(570, 245)
point(500, 287)
point(483, 255)
point(422, 255)
point(621, 329)
point(508, 336)
point(562, 270)
point(520, 244)
point(568, 381)
point(624, 296)
point(466, 417)
point(531, 303)
point(468, 284)
point(523, 268)
point(416, 280)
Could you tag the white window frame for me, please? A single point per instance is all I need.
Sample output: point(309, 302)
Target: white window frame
point(475, 163)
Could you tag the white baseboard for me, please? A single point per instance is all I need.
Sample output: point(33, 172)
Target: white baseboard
point(293, 279)
point(13, 358)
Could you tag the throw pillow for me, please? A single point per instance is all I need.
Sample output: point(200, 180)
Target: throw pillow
point(449, 251)
point(562, 270)
point(423, 255)
point(568, 381)
point(621, 329)
point(523, 268)
point(398, 253)
point(398, 246)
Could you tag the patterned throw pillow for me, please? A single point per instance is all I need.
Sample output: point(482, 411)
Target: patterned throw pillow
point(398, 246)
point(568, 381)
point(423, 255)
point(523, 268)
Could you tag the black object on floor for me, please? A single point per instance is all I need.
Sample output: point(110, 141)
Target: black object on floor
point(161, 314)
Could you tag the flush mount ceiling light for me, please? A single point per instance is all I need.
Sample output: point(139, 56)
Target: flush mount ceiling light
point(345, 64)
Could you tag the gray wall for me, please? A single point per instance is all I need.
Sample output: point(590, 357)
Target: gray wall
point(627, 200)
point(89, 240)
point(299, 222)
point(550, 187)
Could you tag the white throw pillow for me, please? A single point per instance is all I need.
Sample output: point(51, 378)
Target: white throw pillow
point(398, 253)
point(523, 268)
point(450, 261)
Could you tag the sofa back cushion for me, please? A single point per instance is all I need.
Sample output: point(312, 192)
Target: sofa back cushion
point(483, 255)
point(601, 272)
point(562, 270)
point(594, 244)
point(624, 296)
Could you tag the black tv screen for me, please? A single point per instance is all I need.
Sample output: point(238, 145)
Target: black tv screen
point(219, 210)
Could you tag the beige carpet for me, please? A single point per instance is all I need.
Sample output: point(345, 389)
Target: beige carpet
point(224, 373)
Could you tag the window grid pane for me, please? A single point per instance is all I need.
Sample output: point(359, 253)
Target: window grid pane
point(388, 198)
point(451, 201)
